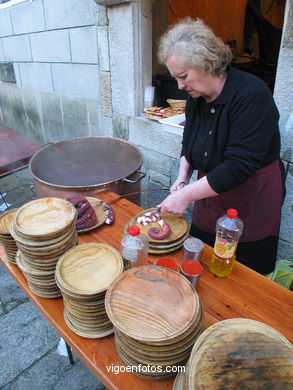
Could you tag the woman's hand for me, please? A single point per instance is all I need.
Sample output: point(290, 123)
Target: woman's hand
point(175, 203)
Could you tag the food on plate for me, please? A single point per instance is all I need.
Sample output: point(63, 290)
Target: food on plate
point(160, 234)
point(158, 113)
point(86, 216)
point(110, 218)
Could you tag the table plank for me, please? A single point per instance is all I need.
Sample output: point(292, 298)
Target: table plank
point(243, 293)
point(15, 149)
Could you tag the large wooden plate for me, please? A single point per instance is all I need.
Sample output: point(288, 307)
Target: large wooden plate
point(44, 217)
point(147, 304)
point(237, 351)
point(101, 214)
point(179, 226)
point(5, 221)
point(88, 268)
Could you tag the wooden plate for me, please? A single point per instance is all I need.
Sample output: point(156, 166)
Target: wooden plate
point(145, 303)
point(179, 226)
point(94, 334)
point(88, 268)
point(44, 217)
point(237, 351)
point(101, 214)
point(5, 221)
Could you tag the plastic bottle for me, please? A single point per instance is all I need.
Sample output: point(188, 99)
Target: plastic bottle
point(228, 231)
point(134, 248)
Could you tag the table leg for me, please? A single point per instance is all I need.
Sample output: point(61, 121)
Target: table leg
point(70, 356)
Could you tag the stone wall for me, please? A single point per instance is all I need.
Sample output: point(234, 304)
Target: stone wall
point(59, 68)
point(284, 97)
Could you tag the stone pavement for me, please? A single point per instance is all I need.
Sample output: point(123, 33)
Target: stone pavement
point(28, 344)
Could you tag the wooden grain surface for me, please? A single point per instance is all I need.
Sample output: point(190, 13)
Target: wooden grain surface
point(146, 303)
point(243, 293)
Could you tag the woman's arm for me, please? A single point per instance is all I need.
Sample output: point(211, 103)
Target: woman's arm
point(184, 175)
point(177, 201)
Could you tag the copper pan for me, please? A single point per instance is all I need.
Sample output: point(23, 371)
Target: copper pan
point(87, 166)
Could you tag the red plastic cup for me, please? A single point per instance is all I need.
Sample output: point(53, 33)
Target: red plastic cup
point(192, 270)
point(167, 262)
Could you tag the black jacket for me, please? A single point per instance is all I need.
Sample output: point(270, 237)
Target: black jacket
point(235, 135)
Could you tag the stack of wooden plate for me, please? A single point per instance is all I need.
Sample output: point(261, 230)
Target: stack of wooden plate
point(157, 317)
point(6, 238)
point(179, 232)
point(83, 274)
point(43, 230)
point(239, 353)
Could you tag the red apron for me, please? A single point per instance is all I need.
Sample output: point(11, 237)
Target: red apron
point(258, 202)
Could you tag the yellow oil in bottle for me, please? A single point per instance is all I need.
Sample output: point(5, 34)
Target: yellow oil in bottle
point(221, 266)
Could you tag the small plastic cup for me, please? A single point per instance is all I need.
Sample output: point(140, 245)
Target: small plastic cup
point(191, 269)
point(192, 248)
point(149, 94)
point(167, 262)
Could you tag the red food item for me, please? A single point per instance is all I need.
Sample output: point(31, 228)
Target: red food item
point(191, 267)
point(167, 262)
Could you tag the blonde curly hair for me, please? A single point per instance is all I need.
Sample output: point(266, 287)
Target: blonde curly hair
point(196, 45)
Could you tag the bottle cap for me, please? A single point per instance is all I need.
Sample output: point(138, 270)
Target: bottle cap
point(232, 213)
point(134, 230)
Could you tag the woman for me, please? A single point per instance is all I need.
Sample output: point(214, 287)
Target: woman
point(232, 138)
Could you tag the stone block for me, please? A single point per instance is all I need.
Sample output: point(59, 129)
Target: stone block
point(147, 133)
point(36, 76)
point(95, 118)
point(159, 179)
point(103, 48)
point(17, 74)
point(156, 161)
point(107, 126)
point(33, 121)
point(17, 109)
point(52, 116)
point(5, 23)
point(120, 123)
point(2, 55)
point(76, 80)
point(283, 97)
point(5, 107)
point(17, 48)
point(51, 46)
point(69, 13)
point(106, 93)
point(84, 46)
point(123, 58)
point(102, 17)
point(29, 17)
point(36, 338)
point(75, 117)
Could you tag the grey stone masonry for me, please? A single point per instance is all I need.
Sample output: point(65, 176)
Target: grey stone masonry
point(76, 80)
point(5, 23)
point(35, 76)
point(28, 18)
point(51, 46)
point(84, 46)
point(69, 13)
point(17, 48)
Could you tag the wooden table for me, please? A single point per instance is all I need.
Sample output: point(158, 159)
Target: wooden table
point(15, 150)
point(244, 293)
